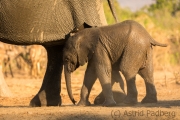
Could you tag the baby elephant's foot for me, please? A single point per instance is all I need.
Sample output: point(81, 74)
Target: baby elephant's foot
point(149, 99)
point(130, 100)
point(84, 103)
point(109, 103)
point(99, 99)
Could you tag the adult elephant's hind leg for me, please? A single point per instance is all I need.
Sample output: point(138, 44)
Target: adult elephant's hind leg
point(49, 94)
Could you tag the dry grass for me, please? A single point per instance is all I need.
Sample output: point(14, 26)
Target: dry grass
point(177, 77)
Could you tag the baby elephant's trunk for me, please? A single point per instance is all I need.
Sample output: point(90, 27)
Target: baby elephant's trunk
point(68, 84)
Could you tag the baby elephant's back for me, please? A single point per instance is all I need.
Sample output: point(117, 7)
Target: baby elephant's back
point(124, 30)
point(137, 31)
point(128, 38)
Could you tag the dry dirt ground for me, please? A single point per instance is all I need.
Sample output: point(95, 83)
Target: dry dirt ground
point(24, 88)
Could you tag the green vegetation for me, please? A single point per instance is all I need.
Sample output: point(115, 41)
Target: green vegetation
point(123, 14)
point(162, 21)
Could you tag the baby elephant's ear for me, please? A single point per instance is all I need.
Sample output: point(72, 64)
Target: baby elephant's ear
point(85, 45)
point(82, 53)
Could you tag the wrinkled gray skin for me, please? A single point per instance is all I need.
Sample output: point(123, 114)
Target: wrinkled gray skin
point(125, 47)
point(48, 23)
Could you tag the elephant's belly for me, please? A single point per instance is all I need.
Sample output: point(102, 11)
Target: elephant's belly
point(33, 22)
point(45, 21)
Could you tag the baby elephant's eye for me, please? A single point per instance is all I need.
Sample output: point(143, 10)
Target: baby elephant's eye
point(66, 59)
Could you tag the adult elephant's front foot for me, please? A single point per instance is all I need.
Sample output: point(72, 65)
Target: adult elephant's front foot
point(49, 94)
point(41, 100)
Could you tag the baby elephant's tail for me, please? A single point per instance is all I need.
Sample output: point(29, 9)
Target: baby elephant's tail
point(155, 43)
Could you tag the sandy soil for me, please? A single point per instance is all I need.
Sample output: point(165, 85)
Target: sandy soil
point(24, 88)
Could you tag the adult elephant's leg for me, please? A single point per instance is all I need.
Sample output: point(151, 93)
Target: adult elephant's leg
point(117, 89)
point(49, 94)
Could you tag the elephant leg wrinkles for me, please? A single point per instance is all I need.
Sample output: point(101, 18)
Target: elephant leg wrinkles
point(49, 93)
point(104, 70)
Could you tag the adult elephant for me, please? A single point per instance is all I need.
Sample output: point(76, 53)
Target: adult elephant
point(48, 23)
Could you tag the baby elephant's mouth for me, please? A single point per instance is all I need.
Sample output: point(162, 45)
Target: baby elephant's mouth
point(71, 67)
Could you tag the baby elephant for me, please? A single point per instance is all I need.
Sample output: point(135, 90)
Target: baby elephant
point(125, 47)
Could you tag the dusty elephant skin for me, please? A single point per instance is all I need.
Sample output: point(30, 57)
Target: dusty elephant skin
point(48, 23)
point(125, 47)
